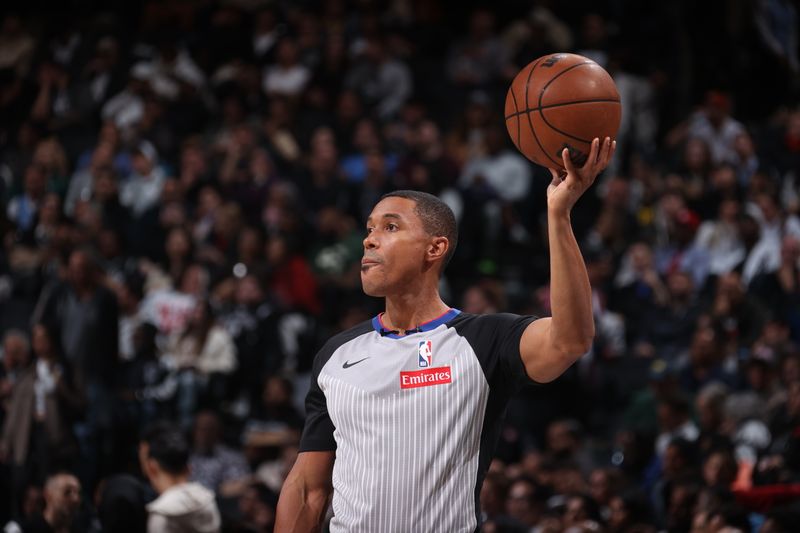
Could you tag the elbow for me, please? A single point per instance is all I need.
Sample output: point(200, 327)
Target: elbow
point(575, 348)
point(578, 350)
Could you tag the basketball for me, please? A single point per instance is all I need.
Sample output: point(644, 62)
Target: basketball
point(561, 101)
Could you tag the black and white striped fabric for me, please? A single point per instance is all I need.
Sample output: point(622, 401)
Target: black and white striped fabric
point(413, 419)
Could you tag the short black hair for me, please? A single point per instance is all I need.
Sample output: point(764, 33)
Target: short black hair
point(437, 218)
point(168, 446)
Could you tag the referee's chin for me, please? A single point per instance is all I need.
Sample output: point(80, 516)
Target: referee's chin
point(371, 288)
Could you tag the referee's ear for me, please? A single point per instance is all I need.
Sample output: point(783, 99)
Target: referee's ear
point(437, 250)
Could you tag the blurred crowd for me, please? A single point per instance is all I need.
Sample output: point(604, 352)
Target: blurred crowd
point(184, 186)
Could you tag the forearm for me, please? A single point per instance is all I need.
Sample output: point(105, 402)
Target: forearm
point(300, 510)
point(572, 325)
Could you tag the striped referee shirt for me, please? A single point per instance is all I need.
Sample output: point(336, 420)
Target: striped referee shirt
point(413, 419)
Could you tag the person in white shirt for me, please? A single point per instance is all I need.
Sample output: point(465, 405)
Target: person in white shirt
point(143, 188)
point(288, 77)
point(181, 506)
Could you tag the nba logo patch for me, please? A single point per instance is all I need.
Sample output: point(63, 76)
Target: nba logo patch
point(425, 354)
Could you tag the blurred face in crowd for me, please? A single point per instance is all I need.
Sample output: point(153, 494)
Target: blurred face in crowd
point(619, 516)
point(33, 502)
point(193, 160)
point(40, 341)
point(477, 302)
point(704, 348)
point(680, 285)
point(600, 486)
point(249, 292)
point(79, 269)
point(617, 193)
point(141, 164)
point(103, 156)
point(394, 249)
point(674, 461)
point(178, 244)
point(15, 351)
point(255, 511)
point(520, 503)
point(492, 497)
point(729, 211)
point(717, 107)
point(208, 201)
point(276, 392)
point(35, 181)
point(696, 155)
point(206, 432)
point(287, 53)
point(195, 280)
point(575, 512)
point(709, 411)
point(723, 179)
point(641, 258)
point(62, 495)
point(768, 207)
point(731, 285)
point(51, 210)
point(560, 439)
point(105, 185)
point(719, 470)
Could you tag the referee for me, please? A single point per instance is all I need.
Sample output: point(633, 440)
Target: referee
point(404, 410)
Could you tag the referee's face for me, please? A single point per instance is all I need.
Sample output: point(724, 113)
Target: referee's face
point(394, 248)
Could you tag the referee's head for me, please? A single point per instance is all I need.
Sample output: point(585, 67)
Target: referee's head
point(411, 237)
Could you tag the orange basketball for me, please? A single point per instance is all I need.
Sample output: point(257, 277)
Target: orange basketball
point(561, 101)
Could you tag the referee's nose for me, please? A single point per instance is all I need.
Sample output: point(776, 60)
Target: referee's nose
point(370, 242)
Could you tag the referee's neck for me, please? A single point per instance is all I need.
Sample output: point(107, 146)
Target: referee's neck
point(407, 311)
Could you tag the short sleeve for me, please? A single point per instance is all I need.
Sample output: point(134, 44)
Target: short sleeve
point(318, 430)
point(495, 341)
point(510, 329)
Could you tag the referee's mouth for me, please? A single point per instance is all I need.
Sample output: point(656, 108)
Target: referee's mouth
point(367, 263)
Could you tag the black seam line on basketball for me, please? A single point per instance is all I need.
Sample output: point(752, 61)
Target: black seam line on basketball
point(541, 95)
point(530, 122)
point(550, 106)
point(516, 114)
point(554, 78)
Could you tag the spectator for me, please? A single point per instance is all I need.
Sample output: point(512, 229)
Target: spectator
point(181, 505)
point(480, 58)
point(205, 356)
point(37, 434)
point(525, 502)
point(23, 208)
point(211, 463)
point(674, 423)
point(121, 506)
point(62, 496)
point(143, 187)
point(667, 328)
point(704, 362)
point(16, 357)
point(384, 81)
point(720, 237)
point(714, 125)
point(288, 76)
